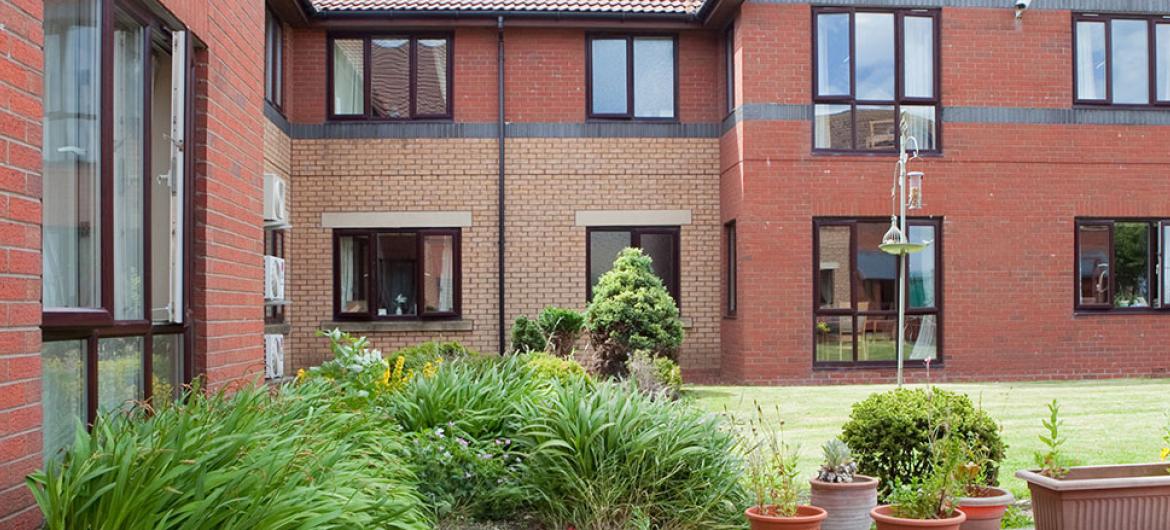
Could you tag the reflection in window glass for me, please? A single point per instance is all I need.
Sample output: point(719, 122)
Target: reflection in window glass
point(129, 58)
point(877, 272)
point(1165, 243)
point(834, 127)
point(62, 393)
point(1091, 60)
point(604, 247)
point(660, 248)
point(167, 367)
point(349, 76)
point(654, 77)
point(71, 154)
point(833, 54)
point(923, 126)
point(397, 262)
point(921, 337)
point(918, 57)
point(878, 338)
point(920, 286)
point(390, 78)
point(432, 91)
point(609, 76)
point(877, 130)
point(835, 338)
point(875, 56)
point(1093, 262)
point(353, 256)
point(834, 287)
point(1131, 247)
point(1131, 66)
point(119, 373)
point(1162, 76)
point(439, 273)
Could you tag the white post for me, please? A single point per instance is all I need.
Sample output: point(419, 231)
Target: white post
point(902, 161)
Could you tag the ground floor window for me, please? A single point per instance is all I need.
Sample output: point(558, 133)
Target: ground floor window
point(660, 243)
point(855, 293)
point(1121, 264)
point(732, 264)
point(387, 274)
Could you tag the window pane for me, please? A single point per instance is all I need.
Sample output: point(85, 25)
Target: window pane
point(923, 126)
point(390, 78)
point(833, 54)
point(353, 253)
point(439, 273)
point(918, 57)
point(1091, 60)
point(1131, 66)
point(921, 337)
point(1131, 243)
point(129, 58)
point(833, 282)
point(603, 250)
point(348, 77)
point(834, 125)
point(661, 249)
point(397, 259)
point(877, 272)
point(1093, 261)
point(167, 368)
point(875, 56)
point(71, 154)
point(1162, 79)
point(834, 338)
point(877, 338)
point(269, 56)
point(654, 77)
point(119, 373)
point(165, 197)
point(1165, 264)
point(609, 76)
point(877, 129)
point(431, 98)
point(62, 393)
point(921, 282)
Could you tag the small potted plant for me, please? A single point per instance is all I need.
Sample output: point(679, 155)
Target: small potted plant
point(927, 502)
point(839, 490)
point(984, 505)
point(773, 477)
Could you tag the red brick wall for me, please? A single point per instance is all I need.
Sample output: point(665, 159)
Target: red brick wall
point(20, 258)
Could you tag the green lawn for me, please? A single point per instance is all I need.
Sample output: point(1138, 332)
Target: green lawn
point(1120, 421)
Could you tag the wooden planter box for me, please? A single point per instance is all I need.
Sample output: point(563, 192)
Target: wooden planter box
point(1125, 497)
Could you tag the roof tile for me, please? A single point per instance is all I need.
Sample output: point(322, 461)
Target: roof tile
point(680, 7)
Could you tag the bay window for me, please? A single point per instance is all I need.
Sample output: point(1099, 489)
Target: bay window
point(388, 274)
point(390, 77)
point(855, 289)
point(1121, 264)
point(660, 243)
point(1121, 59)
point(872, 69)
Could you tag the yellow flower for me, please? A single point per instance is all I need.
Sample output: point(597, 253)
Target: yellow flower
point(300, 375)
point(1165, 453)
point(386, 377)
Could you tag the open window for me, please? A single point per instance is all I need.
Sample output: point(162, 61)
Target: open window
point(168, 161)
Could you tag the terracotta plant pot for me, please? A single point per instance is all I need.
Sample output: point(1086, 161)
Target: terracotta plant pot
point(806, 518)
point(985, 511)
point(886, 521)
point(848, 503)
point(1129, 497)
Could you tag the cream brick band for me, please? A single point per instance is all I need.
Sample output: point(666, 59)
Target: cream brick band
point(459, 219)
point(633, 217)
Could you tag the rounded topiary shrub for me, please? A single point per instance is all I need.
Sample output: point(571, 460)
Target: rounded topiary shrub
point(631, 310)
point(890, 432)
point(561, 327)
point(527, 336)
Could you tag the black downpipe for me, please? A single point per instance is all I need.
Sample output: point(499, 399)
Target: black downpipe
point(500, 179)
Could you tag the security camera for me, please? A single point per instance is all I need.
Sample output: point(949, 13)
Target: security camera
point(1022, 5)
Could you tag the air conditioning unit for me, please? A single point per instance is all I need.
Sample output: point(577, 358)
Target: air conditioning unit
point(275, 197)
point(273, 356)
point(273, 278)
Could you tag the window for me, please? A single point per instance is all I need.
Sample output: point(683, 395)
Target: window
point(115, 216)
point(855, 289)
point(1121, 59)
point(732, 265)
point(273, 59)
point(632, 77)
point(729, 63)
point(659, 243)
point(274, 246)
point(874, 69)
point(396, 274)
point(1120, 264)
point(390, 77)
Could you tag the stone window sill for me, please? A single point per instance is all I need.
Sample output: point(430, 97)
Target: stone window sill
point(401, 326)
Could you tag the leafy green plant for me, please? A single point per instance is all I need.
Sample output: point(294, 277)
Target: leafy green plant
point(527, 336)
point(891, 435)
point(418, 356)
point(294, 458)
point(657, 376)
point(1053, 463)
point(631, 310)
point(561, 327)
point(838, 465)
point(932, 496)
point(463, 478)
point(608, 457)
point(546, 368)
point(1015, 517)
point(771, 471)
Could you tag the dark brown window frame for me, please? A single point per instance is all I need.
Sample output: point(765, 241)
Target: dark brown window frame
point(899, 77)
point(91, 325)
point(732, 273)
point(636, 233)
point(274, 245)
point(1107, 19)
point(629, 38)
point(372, 285)
point(854, 312)
point(1157, 304)
point(367, 78)
point(274, 56)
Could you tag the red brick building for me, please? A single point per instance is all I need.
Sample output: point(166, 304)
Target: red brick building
point(188, 188)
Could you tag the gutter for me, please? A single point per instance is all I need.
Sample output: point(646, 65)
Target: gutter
point(498, 14)
point(500, 180)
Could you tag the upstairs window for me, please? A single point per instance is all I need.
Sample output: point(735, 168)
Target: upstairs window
point(1122, 60)
point(872, 69)
point(1121, 264)
point(632, 77)
point(273, 59)
point(396, 274)
point(390, 77)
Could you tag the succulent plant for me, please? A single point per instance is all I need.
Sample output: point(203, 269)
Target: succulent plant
point(839, 466)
